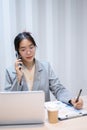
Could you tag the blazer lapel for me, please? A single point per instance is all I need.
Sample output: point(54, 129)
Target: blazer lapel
point(38, 69)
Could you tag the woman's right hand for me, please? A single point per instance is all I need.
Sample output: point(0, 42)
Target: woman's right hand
point(18, 68)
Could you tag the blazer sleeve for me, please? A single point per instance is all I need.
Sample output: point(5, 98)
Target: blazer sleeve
point(11, 83)
point(58, 90)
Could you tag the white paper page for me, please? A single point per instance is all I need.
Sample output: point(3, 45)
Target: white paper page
point(66, 111)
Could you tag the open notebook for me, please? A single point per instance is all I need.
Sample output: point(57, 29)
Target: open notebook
point(25, 107)
point(66, 111)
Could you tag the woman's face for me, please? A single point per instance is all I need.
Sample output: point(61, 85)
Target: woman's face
point(27, 50)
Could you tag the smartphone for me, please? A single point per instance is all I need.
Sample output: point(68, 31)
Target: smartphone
point(19, 57)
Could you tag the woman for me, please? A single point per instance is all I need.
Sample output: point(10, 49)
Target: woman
point(30, 74)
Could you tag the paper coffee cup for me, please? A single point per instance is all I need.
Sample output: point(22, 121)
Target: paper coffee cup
point(53, 113)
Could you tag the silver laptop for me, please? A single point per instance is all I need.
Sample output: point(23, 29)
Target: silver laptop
point(25, 107)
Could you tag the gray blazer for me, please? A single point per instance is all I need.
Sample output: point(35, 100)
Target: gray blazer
point(44, 79)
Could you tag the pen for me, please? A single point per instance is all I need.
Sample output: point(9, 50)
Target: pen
point(77, 99)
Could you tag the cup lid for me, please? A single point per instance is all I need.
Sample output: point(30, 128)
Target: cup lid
point(52, 107)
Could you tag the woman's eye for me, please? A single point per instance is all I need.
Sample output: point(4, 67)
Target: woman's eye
point(22, 49)
point(31, 47)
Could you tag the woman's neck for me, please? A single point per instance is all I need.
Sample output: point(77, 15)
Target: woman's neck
point(30, 65)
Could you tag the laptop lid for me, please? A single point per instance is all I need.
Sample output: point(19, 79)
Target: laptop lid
point(25, 107)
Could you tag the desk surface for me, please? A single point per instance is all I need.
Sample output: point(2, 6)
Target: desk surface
point(79, 123)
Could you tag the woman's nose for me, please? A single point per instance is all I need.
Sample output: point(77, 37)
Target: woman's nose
point(28, 52)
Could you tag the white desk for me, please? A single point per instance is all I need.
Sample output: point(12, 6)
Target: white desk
point(79, 123)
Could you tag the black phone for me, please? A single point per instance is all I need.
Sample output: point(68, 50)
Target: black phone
point(19, 57)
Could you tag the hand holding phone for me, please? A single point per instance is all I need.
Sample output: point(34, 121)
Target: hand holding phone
point(18, 67)
point(19, 60)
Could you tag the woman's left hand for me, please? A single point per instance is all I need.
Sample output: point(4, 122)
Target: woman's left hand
point(77, 105)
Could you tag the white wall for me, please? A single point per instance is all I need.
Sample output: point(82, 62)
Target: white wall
point(60, 30)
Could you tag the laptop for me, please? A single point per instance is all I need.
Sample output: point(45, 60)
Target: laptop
point(22, 107)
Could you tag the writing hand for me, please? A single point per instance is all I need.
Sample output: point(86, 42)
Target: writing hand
point(78, 104)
